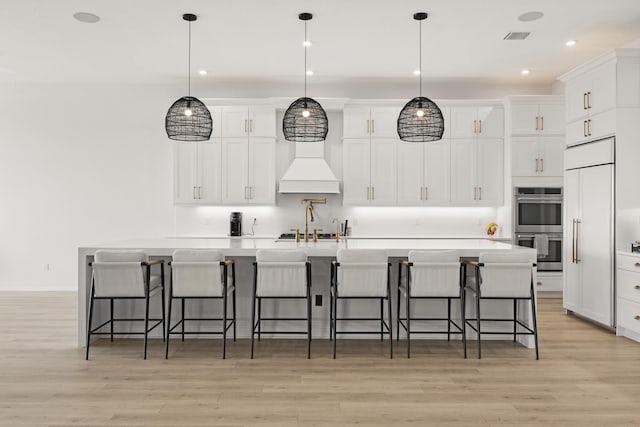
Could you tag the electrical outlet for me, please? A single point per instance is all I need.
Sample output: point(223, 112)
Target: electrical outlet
point(318, 300)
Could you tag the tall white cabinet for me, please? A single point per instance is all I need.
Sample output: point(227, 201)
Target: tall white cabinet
point(477, 150)
point(537, 135)
point(236, 167)
point(603, 104)
point(369, 155)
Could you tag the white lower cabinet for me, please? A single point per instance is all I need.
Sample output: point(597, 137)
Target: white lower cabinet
point(197, 172)
point(424, 173)
point(369, 171)
point(548, 281)
point(628, 295)
point(477, 172)
point(248, 171)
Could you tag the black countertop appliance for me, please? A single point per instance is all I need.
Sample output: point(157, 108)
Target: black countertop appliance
point(235, 224)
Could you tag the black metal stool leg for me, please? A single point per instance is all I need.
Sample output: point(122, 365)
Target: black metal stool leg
point(398, 311)
point(309, 326)
point(182, 319)
point(448, 319)
point(146, 323)
point(382, 318)
point(463, 317)
point(535, 323)
point(335, 324)
point(233, 296)
point(478, 324)
point(111, 317)
point(515, 317)
point(224, 325)
point(390, 323)
point(253, 318)
point(168, 328)
point(86, 356)
point(162, 302)
point(408, 311)
point(259, 318)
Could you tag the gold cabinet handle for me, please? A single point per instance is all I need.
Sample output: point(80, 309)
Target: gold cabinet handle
point(368, 193)
point(537, 126)
point(589, 127)
point(542, 165)
point(584, 128)
point(573, 241)
point(479, 126)
point(368, 126)
point(479, 193)
point(588, 100)
point(475, 126)
point(537, 165)
point(373, 126)
point(245, 125)
point(250, 125)
point(426, 193)
point(541, 122)
point(373, 193)
point(584, 101)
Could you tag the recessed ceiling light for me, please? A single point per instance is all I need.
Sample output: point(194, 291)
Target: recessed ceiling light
point(530, 16)
point(309, 73)
point(203, 72)
point(571, 43)
point(416, 72)
point(86, 17)
point(306, 43)
point(525, 72)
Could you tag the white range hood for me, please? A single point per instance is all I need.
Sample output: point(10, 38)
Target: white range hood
point(309, 172)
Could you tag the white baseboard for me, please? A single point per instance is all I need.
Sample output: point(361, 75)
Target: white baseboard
point(38, 286)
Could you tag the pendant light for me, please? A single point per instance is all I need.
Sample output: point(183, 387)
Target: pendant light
point(305, 120)
point(420, 120)
point(188, 119)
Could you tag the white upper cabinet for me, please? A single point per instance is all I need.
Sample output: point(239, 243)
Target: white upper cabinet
point(477, 121)
point(197, 172)
point(595, 92)
point(424, 173)
point(477, 172)
point(534, 116)
point(537, 125)
point(236, 168)
point(248, 121)
point(369, 171)
point(370, 122)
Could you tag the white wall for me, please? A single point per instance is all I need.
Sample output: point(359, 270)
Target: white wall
point(86, 164)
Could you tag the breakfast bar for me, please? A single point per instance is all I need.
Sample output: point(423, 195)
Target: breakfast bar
point(243, 251)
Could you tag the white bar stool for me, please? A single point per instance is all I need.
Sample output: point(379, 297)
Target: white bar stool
point(503, 276)
point(360, 274)
point(201, 274)
point(431, 275)
point(280, 274)
point(124, 274)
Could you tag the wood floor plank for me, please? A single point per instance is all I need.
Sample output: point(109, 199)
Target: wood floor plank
point(586, 376)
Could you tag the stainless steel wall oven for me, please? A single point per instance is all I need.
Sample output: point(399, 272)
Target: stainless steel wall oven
point(538, 224)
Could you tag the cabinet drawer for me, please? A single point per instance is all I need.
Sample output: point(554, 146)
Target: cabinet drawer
point(628, 262)
point(629, 315)
point(592, 127)
point(549, 283)
point(628, 285)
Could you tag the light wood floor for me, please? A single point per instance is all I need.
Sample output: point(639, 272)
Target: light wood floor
point(586, 376)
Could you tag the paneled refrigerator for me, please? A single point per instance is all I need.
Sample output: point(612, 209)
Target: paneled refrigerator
point(589, 230)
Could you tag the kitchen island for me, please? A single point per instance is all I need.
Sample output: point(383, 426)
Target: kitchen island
point(243, 251)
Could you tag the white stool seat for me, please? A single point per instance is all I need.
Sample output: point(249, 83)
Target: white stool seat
point(362, 273)
point(197, 273)
point(435, 274)
point(281, 273)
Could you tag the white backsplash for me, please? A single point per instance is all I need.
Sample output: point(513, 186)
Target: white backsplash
point(364, 221)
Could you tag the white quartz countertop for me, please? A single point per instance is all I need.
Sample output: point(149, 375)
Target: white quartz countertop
point(395, 247)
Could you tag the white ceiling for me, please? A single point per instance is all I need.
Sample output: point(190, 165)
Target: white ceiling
point(261, 40)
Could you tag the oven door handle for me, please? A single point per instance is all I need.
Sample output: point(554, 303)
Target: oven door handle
point(539, 199)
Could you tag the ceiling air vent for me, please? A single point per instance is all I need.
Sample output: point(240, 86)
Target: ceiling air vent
point(517, 36)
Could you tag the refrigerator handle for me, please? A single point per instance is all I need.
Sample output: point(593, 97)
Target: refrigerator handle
point(578, 222)
point(573, 241)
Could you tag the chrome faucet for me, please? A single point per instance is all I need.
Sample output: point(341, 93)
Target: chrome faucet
point(308, 213)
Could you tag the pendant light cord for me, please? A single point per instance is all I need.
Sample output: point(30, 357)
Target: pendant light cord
point(305, 58)
point(420, 47)
point(189, 66)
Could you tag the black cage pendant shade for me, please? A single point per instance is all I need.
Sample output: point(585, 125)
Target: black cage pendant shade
point(305, 120)
point(188, 119)
point(421, 119)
